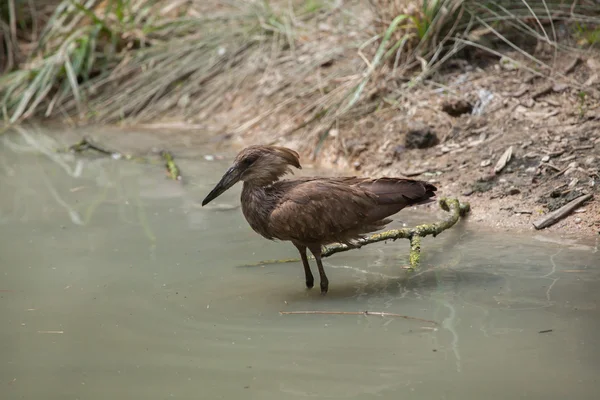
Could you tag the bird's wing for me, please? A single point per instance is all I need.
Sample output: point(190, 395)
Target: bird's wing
point(393, 194)
point(398, 190)
point(318, 209)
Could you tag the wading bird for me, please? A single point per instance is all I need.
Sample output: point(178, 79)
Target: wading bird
point(311, 211)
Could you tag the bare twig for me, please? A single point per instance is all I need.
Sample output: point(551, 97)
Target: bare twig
point(381, 314)
point(555, 216)
point(572, 65)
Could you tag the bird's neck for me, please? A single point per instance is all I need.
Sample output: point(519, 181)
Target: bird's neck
point(257, 206)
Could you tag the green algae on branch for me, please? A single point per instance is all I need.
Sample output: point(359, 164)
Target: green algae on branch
point(86, 144)
point(455, 209)
point(453, 206)
point(172, 168)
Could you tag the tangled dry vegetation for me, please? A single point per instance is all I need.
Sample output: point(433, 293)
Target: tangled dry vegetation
point(439, 89)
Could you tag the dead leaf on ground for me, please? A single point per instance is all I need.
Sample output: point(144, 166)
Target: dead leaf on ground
point(504, 159)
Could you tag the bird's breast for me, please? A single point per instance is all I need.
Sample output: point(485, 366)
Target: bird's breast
point(256, 208)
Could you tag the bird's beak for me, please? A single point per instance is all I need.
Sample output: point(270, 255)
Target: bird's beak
point(232, 175)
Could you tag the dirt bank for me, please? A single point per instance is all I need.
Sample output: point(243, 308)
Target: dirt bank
point(551, 129)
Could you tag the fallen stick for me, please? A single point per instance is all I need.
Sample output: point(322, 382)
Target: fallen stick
point(380, 314)
point(555, 216)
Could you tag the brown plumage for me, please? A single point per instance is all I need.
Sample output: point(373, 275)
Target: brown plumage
point(311, 212)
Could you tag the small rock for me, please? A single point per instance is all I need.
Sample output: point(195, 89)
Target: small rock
point(531, 170)
point(527, 144)
point(513, 190)
point(593, 64)
point(571, 168)
point(589, 160)
point(545, 158)
point(592, 80)
point(559, 87)
point(420, 137)
point(501, 180)
point(486, 163)
point(356, 165)
point(528, 103)
point(508, 64)
point(520, 109)
point(324, 27)
point(577, 220)
point(209, 157)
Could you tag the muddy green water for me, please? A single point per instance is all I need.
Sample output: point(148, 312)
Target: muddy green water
point(116, 284)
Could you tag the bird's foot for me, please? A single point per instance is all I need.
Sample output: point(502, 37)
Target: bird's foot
point(310, 284)
point(324, 288)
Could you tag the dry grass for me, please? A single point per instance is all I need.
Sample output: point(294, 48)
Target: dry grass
point(323, 62)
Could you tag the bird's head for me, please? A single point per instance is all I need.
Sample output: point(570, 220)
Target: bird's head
point(256, 165)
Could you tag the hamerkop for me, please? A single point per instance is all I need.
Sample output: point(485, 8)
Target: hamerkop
point(311, 211)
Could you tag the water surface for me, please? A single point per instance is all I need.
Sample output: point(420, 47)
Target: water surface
point(115, 283)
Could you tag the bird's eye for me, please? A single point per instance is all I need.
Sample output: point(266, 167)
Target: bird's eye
point(248, 161)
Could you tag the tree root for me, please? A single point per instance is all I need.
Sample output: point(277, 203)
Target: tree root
point(455, 209)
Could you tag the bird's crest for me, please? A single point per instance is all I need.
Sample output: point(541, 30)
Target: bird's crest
point(292, 157)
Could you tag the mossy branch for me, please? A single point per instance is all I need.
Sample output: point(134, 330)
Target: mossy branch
point(455, 209)
point(86, 144)
point(172, 168)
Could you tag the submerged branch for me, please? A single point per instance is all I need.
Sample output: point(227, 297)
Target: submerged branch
point(377, 313)
point(455, 209)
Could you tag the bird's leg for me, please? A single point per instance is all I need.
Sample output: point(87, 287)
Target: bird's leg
point(316, 250)
point(310, 280)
